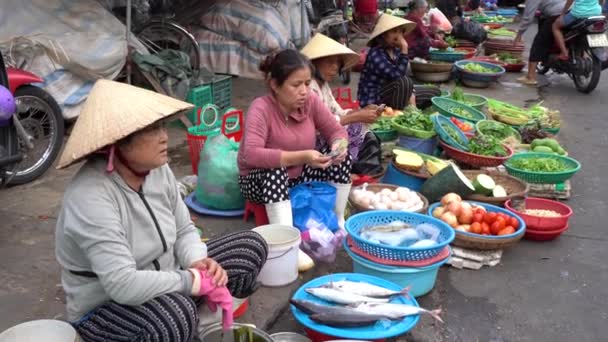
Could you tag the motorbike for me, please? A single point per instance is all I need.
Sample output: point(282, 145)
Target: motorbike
point(32, 139)
point(587, 47)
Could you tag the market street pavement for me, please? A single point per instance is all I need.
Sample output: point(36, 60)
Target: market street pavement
point(554, 291)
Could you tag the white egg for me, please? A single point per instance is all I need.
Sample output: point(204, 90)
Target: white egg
point(386, 192)
point(394, 196)
point(403, 196)
point(381, 206)
point(398, 205)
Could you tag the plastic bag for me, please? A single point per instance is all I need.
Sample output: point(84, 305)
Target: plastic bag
point(218, 175)
point(470, 30)
point(370, 156)
point(439, 20)
point(313, 214)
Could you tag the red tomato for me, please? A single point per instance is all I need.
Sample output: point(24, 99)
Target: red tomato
point(476, 228)
point(502, 221)
point(485, 229)
point(489, 218)
point(479, 211)
point(514, 222)
point(478, 217)
point(507, 230)
point(496, 227)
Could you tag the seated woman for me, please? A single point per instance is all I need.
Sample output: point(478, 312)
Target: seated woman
point(278, 148)
point(581, 9)
point(330, 57)
point(383, 79)
point(420, 39)
point(133, 265)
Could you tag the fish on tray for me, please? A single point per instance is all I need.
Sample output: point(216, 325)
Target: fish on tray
point(365, 289)
point(395, 310)
point(347, 320)
point(393, 234)
point(339, 297)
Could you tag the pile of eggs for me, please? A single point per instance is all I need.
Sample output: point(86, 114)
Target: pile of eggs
point(399, 199)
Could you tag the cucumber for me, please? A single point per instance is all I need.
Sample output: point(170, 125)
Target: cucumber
point(450, 179)
point(484, 184)
point(499, 191)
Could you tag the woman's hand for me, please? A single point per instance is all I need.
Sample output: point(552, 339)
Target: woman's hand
point(220, 277)
point(339, 146)
point(365, 115)
point(403, 44)
point(317, 160)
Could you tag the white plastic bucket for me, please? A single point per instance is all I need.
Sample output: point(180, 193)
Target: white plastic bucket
point(281, 266)
point(46, 330)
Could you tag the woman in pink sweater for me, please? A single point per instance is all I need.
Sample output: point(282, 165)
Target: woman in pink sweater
point(278, 148)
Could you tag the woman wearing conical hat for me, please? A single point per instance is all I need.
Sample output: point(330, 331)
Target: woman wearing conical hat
point(383, 79)
point(133, 265)
point(329, 58)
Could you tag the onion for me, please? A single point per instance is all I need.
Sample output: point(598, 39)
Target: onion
point(386, 192)
point(437, 212)
point(463, 227)
point(394, 196)
point(451, 197)
point(450, 219)
point(398, 205)
point(466, 215)
point(455, 207)
point(380, 206)
point(465, 204)
point(475, 207)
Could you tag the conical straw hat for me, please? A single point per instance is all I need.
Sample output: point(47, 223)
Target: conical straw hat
point(322, 46)
point(113, 111)
point(387, 22)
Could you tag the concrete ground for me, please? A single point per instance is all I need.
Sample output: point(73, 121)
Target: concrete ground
point(552, 291)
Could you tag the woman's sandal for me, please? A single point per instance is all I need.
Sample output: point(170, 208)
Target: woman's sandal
point(525, 80)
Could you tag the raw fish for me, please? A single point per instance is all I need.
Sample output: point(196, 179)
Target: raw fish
point(353, 319)
point(337, 296)
point(396, 311)
point(365, 289)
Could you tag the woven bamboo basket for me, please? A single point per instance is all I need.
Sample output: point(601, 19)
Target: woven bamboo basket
point(379, 187)
point(481, 242)
point(514, 187)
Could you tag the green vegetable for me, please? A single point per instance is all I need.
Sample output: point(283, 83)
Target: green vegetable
point(453, 133)
point(486, 145)
point(497, 129)
point(462, 112)
point(499, 191)
point(502, 32)
point(484, 184)
point(458, 95)
point(415, 119)
point(545, 164)
point(382, 124)
point(543, 149)
point(451, 41)
point(478, 68)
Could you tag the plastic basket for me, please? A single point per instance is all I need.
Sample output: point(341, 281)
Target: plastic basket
point(487, 242)
point(475, 160)
point(386, 135)
point(198, 134)
point(439, 121)
point(355, 223)
point(403, 130)
point(446, 56)
point(232, 124)
point(199, 96)
point(543, 223)
point(543, 177)
point(482, 125)
point(446, 106)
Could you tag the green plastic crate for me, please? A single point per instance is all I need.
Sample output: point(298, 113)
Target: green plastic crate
point(221, 87)
point(199, 96)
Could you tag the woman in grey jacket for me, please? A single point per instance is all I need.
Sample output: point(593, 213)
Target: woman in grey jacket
point(129, 252)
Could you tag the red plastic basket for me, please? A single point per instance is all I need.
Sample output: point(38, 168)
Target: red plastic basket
point(344, 97)
point(234, 129)
point(470, 51)
point(537, 223)
point(472, 159)
point(544, 235)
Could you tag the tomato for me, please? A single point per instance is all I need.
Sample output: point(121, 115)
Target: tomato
point(514, 222)
point(476, 228)
point(496, 227)
point(507, 230)
point(478, 217)
point(485, 229)
point(479, 211)
point(489, 218)
point(502, 221)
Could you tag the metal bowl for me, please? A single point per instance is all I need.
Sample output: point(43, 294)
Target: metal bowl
point(289, 337)
point(433, 76)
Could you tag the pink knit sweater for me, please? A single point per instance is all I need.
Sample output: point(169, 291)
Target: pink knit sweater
point(268, 132)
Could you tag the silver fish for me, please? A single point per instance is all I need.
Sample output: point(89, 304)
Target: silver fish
point(365, 289)
point(310, 307)
point(395, 310)
point(337, 296)
point(391, 235)
point(353, 319)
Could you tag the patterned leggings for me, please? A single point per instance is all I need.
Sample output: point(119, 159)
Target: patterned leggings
point(173, 317)
point(272, 185)
point(397, 94)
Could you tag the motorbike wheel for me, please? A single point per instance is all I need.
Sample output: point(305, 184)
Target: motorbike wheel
point(42, 119)
point(587, 84)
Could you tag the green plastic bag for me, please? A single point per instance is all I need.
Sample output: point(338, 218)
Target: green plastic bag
point(218, 174)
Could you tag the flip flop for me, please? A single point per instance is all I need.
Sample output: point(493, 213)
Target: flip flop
point(527, 81)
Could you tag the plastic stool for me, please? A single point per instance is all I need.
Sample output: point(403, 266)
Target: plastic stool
point(258, 211)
